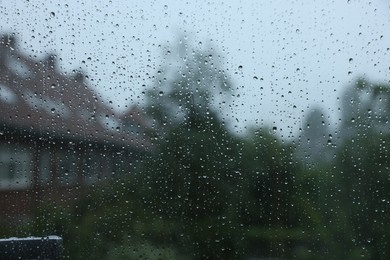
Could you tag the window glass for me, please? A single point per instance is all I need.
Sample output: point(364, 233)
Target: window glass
point(45, 167)
point(94, 167)
point(197, 130)
point(67, 167)
point(15, 167)
point(7, 95)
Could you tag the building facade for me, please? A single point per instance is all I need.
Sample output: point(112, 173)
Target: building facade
point(57, 136)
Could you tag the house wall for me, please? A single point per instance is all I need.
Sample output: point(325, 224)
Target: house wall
point(35, 169)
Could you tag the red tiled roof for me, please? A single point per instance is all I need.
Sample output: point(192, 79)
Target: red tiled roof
point(34, 96)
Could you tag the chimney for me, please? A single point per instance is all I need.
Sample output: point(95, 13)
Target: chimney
point(7, 44)
point(79, 76)
point(51, 61)
point(7, 41)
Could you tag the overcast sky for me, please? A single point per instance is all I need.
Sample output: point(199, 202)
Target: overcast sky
point(306, 53)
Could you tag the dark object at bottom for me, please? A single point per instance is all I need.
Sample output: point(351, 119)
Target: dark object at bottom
point(31, 248)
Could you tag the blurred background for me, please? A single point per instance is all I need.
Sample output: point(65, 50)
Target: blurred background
point(197, 131)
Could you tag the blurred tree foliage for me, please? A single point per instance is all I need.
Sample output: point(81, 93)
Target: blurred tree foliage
point(206, 193)
point(346, 202)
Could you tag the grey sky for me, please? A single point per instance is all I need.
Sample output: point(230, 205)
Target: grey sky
point(304, 52)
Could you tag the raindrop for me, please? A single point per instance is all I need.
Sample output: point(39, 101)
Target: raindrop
point(52, 14)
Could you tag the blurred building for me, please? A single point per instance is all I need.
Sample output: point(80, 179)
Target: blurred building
point(56, 134)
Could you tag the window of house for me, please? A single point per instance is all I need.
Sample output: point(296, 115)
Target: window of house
point(45, 170)
point(53, 107)
point(15, 167)
point(67, 168)
point(19, 67)
point(7, 95)
point(93, 167)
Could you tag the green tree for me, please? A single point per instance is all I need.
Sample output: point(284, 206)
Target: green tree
point(266, 207)
point(363, 166)
point(343, 204)
point(187, 87)
point(193, 175)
